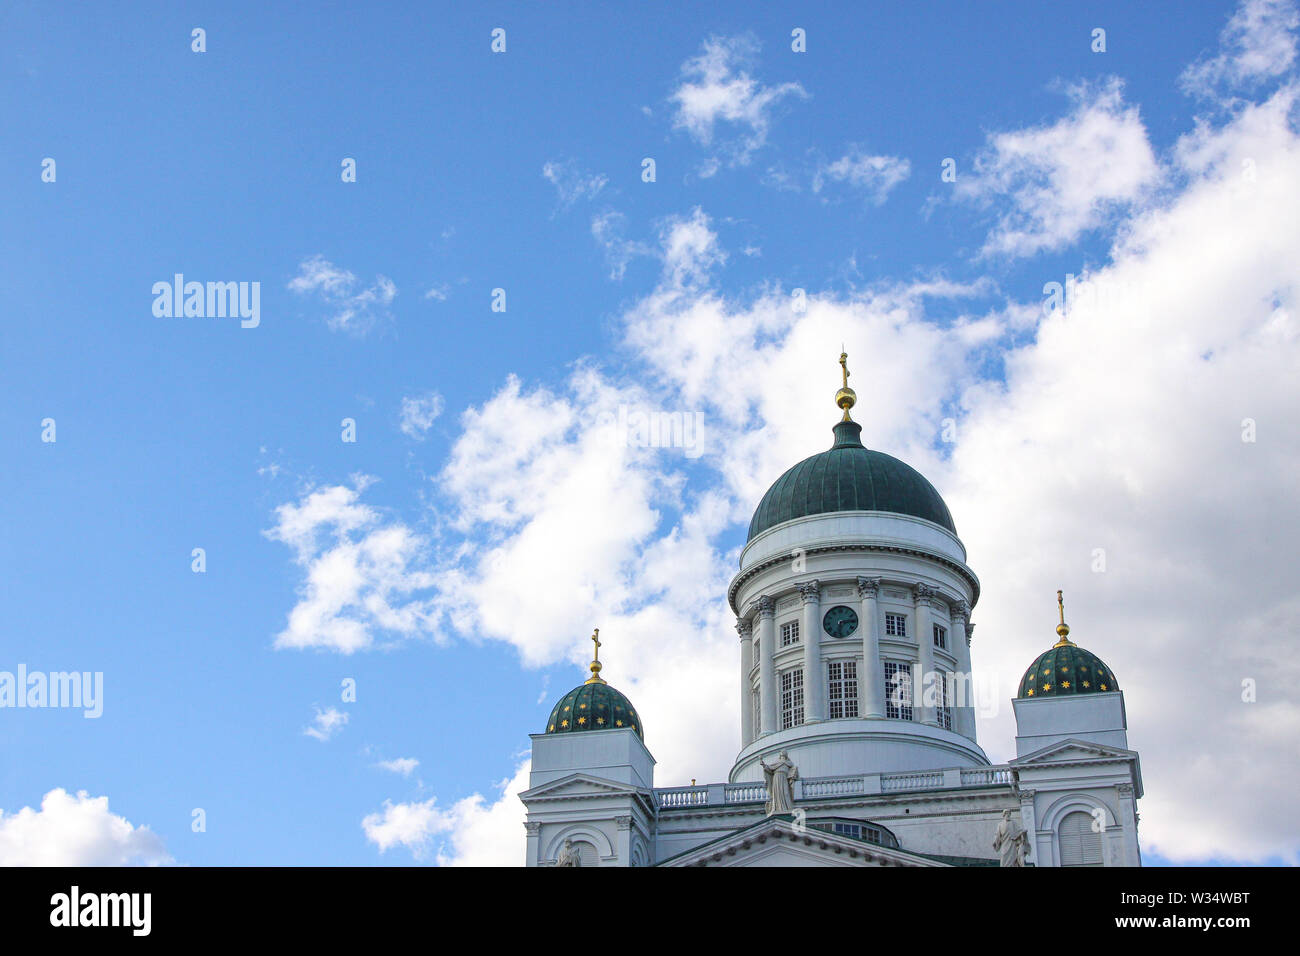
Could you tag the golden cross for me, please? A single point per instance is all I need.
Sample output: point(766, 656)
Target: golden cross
point(844, 364)
point(595, 637)
point(1060, 603)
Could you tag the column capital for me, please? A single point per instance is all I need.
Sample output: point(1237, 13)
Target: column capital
point(959, 609)
point(1027, 796)
point(970, 632)
point(532, 828)
point(624, 823)
point(745, 628)
point(1125, 789)
point(766, 606)
point(810, 592)
point(925, 594)
point(868, 587)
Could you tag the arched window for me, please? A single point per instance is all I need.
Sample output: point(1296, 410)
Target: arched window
point(1080, 840)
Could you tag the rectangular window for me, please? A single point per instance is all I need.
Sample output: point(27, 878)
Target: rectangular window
point(898, 690)
point(896, 625)
point(940, 637)
point(789, 633)
point(791, 698)
point(757, 702)
point(944, 711)
point(842, 689)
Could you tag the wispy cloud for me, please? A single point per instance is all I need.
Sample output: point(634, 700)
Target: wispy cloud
point(572, 182)
point(364, 573)
point(873, 175)
point(350, 307)
point(404, 766)
point(418, 414)
point(326, 723)
point(1058, 181)
point(720, 104)
point(1258, 44)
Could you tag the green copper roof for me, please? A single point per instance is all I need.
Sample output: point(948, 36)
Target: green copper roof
point(849, 477)
point(593, 707)
point(1066, 669)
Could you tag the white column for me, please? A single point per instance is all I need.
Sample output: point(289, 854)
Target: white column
point(533, 848)
point(624, 845)
point(925, 652)
point(766, 667)
point(963, 718)
point(871, 682)
point(746, 631)
point(1128, 819)
point(813, 682)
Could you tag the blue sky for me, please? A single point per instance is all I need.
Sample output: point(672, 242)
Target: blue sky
point(522, 171)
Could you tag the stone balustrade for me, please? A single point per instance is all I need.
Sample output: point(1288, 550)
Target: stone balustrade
point(820, 788)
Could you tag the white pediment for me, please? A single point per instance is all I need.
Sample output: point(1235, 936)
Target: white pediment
point(778, 842)
point(578, 785)
point(1072, 751)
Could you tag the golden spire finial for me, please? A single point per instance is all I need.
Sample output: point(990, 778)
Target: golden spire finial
point(595, 677)
point(845, 398)
point(1062, 629)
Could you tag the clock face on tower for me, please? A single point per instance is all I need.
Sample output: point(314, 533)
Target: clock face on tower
point(840, 621)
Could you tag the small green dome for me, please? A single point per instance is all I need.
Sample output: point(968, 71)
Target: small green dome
point(849, 477)
point(593, 706)
point(1066, 668)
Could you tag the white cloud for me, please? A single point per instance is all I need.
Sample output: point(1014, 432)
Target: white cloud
point(400, 765)
point(1057, 182)
point(351, 309)
point(473, 831)
point(572, 182)
point(716, 90)
point(439, 293)
point(419, 413)
point(326, 723)
point(363, 572)
point(76, 831)
point(1258, 44)
point(876, 176)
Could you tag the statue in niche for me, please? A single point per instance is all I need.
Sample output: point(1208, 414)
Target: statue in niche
point(779, 778)
point(568, 855)
point(1011, 841)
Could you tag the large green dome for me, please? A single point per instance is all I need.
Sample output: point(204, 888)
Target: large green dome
point(849, 477)
point(593, 706)
point(1066, 668)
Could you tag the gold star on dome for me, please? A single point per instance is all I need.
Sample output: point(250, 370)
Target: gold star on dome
point(550, 729)
point(582, 720)
point(564, 723)
point(566, 708)
point(1065, 685)
point(1086, 684)
point(582, 706)
point(601, 721)
point(1103, 686)
point(618, 723)
point(1031, 692)
point(1046, 688)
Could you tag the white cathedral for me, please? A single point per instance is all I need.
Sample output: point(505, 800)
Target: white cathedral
point(858, 745)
